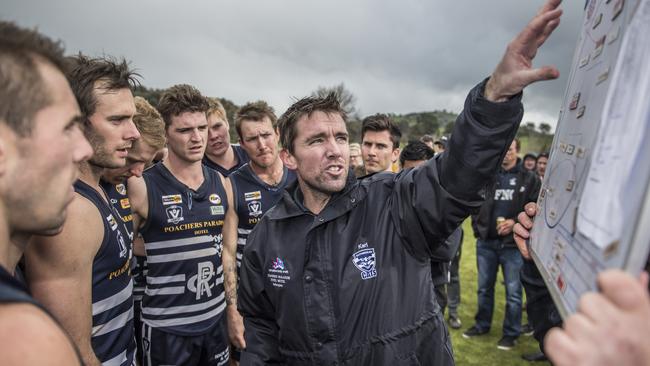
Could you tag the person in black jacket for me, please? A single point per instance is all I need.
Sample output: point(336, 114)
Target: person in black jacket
point(513, 188)
point(338, 272)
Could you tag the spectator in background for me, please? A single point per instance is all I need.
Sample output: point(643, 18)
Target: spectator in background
point(379, 143)
point(356, 161)
point(415, 154)
point(440, 145)
point(530, 162)
point(513, 188)
point(542, 159)
point(428, 140)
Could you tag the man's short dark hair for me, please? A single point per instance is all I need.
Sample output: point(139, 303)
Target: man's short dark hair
point(86, 74)
point(530, 156)
point(22, 90)
point(414, 151)
point(381, 122)
point(179, 99)
point(255, 111)
point(542, 155)
point(427, 138)
point(305, 107)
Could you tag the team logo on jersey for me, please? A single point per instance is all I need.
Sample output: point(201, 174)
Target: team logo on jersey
point(174, 214)
point(172, 199)
point(513, 181)
point(200, 282)
point(255, 208)
point(364, 260)
point(253, 196)
point(214, 198)
point(124, 202)
point(216, 210)
point(111, 222)
point(121, 189)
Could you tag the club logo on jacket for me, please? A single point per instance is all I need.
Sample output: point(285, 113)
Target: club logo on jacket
point(364, 260)
point(278, 274)
point(174, 214)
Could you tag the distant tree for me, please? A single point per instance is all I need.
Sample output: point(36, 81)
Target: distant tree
point(346, 98)
point(152, 95)
point(425, 123)
point(545, 128)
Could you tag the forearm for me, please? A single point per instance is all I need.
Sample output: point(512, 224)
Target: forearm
point(481, 136)
point(229, 258)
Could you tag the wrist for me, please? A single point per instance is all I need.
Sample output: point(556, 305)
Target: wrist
point(492, 93)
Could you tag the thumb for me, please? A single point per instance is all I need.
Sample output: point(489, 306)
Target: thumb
point(622, 289)
point(543, 73)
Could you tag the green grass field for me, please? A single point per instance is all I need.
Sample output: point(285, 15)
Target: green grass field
point(483, 350)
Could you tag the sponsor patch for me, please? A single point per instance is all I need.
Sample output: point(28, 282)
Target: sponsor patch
point(174, 214)
point(278, 274)
point(216, 210)
point(111, 221)
point(121, 189)
point(172, 199)
point(124, 202)
point(253, 196)
point(215, 199)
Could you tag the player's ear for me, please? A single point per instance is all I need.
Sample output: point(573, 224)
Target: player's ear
point(288, 159)
point(7, 141)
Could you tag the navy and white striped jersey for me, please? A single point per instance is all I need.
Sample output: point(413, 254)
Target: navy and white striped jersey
point(252, 198)
point(112, 293)
point(183, 238)
point(242, 158)
point(119, 198)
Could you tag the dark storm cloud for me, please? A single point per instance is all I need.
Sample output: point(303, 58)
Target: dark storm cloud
point(395, 56)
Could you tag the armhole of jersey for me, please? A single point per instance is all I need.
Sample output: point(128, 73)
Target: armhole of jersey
point(102, 221)
point(222, 179)
point(233, 187)
point(150, 209)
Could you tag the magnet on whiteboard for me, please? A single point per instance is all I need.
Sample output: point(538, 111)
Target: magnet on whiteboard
point(581, 111)
point(574, 101)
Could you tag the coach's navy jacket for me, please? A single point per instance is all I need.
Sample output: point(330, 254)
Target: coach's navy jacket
point(352, 285)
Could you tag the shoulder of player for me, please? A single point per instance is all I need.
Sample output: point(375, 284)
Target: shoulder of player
point(83, 227)
point(24, 329)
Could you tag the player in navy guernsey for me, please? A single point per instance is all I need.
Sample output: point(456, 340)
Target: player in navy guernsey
point(257, 186)
point(86, 281)
point(41, 148)
point(152, 140)
point(220, 154)
point(181, 207)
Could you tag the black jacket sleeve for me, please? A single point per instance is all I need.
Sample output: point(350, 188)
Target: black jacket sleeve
point(261, 330)
point(431, 201)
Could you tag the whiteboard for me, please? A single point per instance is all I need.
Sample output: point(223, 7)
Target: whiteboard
point(594, 203)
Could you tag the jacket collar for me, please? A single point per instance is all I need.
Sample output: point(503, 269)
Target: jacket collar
point(291, 204)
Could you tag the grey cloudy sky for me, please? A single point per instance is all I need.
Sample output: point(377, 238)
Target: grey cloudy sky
point(395, 56)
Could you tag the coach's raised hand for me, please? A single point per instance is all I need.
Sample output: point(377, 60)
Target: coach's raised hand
point(515, 71)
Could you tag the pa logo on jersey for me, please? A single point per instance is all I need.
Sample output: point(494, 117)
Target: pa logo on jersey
point(253, 196)
point(172, 199)
point(174, 214)
point(364, 260)
point(215, 199)
point(255, 208)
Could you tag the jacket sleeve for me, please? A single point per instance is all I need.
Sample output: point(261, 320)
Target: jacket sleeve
point(431, 201)
point(260, 329)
